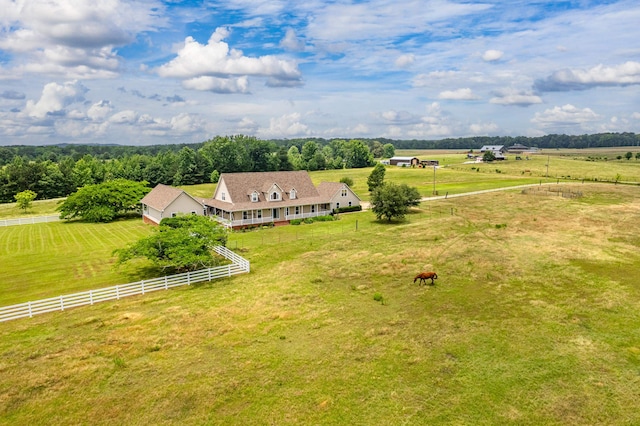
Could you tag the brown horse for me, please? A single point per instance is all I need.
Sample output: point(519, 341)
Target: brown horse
point(424, 276)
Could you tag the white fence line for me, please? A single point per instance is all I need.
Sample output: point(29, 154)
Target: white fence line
point(240, 265)
point(29, 220)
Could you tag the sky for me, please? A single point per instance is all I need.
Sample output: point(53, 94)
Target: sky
point(149, 72)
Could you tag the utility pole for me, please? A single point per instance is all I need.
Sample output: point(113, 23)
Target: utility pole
point(547, 166)
point(434, 180)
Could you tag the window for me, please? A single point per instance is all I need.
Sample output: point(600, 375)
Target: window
point(292, 194)
point(349, 203)
point(344, 192)
point(223, 196)
point(337, 205)
point(297, 209)
point(174, 214)
point(275, 196)
point(287, 212)
point(259, 214)
point(254, 197)
point(313, 208)
point(276, 213)
point(245, 215)
point(193, 213)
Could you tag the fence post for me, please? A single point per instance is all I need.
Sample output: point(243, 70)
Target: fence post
point(90, 297)
point(166, 283)
point(30, 312)
point(61, 303)
point(142, 284)
point(117, 293)
point(188, 278)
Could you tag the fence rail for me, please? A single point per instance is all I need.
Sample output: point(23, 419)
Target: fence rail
point(239, 265)
point(29, 220)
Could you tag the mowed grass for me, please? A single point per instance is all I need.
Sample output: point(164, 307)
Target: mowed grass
point(46, 260)
point(535, 319)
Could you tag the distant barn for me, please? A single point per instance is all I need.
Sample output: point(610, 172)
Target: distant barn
point(404, 161)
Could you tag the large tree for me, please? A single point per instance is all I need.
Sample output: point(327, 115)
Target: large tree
point(182, 243)
point(392, 201)
point(105, 201)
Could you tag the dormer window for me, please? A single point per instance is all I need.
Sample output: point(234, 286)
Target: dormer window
point(292, 194)
point(275, 196)
point(254, 197)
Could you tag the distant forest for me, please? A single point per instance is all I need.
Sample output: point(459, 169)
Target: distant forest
point(58, 170)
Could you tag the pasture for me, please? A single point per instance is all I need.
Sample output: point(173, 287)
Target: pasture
point(534, 319)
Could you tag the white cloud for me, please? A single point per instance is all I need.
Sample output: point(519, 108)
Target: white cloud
point(99, 110)
point(483, 128)
point(215, 59)
point(405, 61)
point(218, 85)
point(464, 94)
point(636, 115)
point(567, 115)
point(55, 97)
point(600, 75)
point(514, 97)
point(286, 126)
point(124, 117)
point(291, 41)
point(76, 38)
point(492, 55)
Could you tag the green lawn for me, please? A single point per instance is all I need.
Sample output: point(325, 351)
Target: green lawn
point(535, 319)
point(46, 260)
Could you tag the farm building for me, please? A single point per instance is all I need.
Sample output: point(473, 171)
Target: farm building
point(495, 148)
point(404, 161)
point(167, 201)
point(429, 163)
point(248, 199)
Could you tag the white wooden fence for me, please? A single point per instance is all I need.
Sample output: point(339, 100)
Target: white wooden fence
point(29, 220)
point(240, 265)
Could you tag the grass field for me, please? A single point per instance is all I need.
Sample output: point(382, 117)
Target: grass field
point(535, 319)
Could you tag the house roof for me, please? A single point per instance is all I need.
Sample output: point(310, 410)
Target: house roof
point(162, 196)
point(240, 186)
point(329, 189)
point(492, 148)
point(402, 158)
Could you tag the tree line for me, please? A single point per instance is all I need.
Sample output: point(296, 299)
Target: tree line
point(58, 171)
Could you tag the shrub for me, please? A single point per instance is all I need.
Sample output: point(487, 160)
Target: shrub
point(324, 218)
point(296, 221)
point(348, 209)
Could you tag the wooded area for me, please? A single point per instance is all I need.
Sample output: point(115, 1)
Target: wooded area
point(53, 171)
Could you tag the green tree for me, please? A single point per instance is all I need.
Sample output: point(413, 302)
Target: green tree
point(389, 150)
point(25, 199)
point(637, 155)
point(392, 201)
point(376, 178)
point(182, 243)
point(103, 202)
point(628, 155)
point(347, 180)
point(358, 155)
point(488, 157)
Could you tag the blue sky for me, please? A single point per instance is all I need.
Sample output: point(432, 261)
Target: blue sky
point(151, 72)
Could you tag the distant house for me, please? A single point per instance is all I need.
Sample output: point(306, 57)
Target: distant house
point(167, 201)
point(249, 199)
point(404, 161)
point(495, 148)
point(517, 148)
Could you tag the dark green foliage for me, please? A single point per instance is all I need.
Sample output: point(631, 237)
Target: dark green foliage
point(182, 243)
point(392, 201)
point(376, 178)
point(105, 201)
point(348, 209)
point(488, 157)
point(347, 180)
